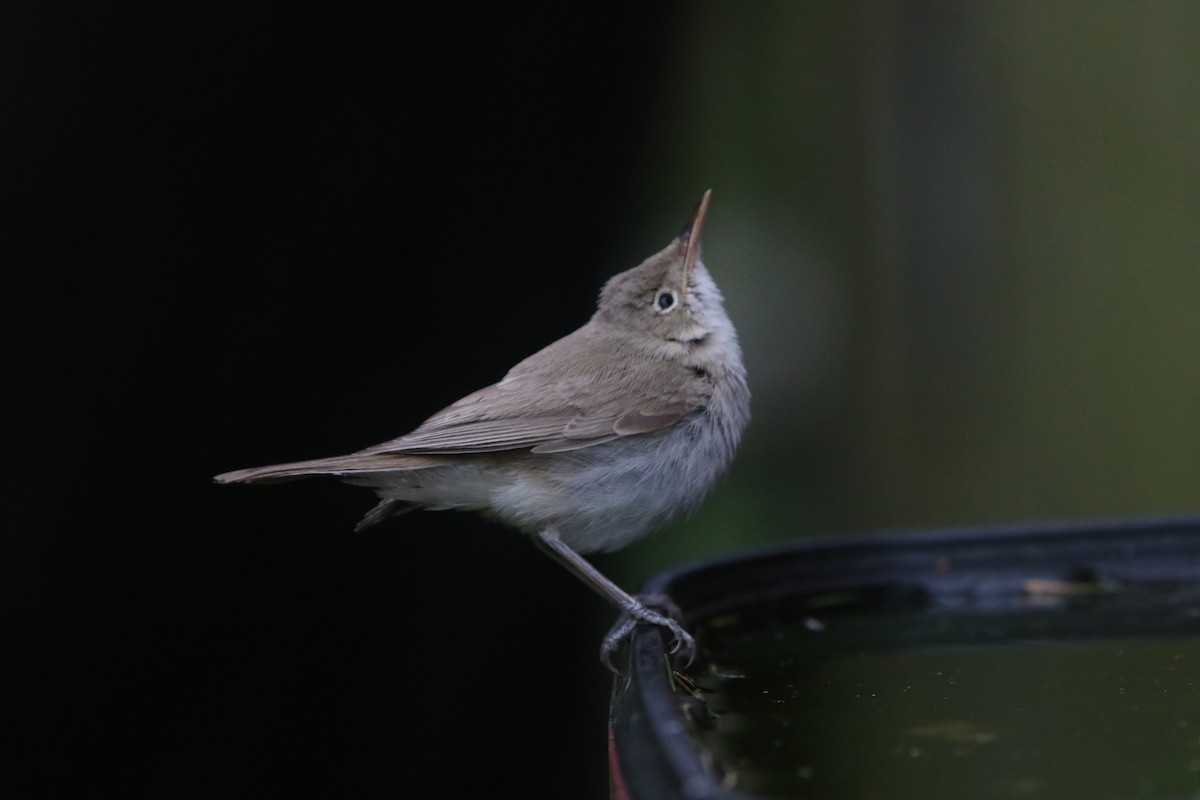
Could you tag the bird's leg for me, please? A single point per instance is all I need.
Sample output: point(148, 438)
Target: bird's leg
point(633, 610)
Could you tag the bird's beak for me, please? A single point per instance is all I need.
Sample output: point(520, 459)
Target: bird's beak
point(689, 239)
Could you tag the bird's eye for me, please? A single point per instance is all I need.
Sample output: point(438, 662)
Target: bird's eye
point(665, 301)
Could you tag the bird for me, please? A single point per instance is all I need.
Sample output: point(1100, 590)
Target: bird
point(589, 444)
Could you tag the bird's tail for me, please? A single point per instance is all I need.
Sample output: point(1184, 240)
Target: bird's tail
point(339, 466)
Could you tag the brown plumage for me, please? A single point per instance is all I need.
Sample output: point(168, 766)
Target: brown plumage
point(597, 439)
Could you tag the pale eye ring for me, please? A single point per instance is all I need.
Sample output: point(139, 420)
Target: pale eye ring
point(665, 300)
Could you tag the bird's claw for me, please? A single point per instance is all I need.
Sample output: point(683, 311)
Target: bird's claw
point(682, 642)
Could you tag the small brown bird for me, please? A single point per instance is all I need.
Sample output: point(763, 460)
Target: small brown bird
point(590, 443)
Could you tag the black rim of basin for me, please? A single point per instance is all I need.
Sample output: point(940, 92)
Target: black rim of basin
point(652, 752)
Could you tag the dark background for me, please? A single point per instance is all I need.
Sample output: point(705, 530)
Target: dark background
point(958, 241)
point(247, 236)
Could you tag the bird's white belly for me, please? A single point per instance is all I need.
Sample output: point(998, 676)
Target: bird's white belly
point(606, 496)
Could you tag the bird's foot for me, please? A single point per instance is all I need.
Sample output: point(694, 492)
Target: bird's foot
point(655, 611)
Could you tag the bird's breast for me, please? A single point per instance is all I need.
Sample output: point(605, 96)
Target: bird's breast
point(606, 496)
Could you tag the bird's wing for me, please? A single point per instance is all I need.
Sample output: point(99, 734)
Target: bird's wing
point(547, 413)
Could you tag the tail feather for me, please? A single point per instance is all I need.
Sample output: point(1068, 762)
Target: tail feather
point(385, 509)
point(353, 464)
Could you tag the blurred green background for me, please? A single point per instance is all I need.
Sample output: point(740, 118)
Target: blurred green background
point(961, 245)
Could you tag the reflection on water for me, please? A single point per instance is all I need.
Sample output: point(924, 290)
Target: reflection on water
point(1086, 699)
